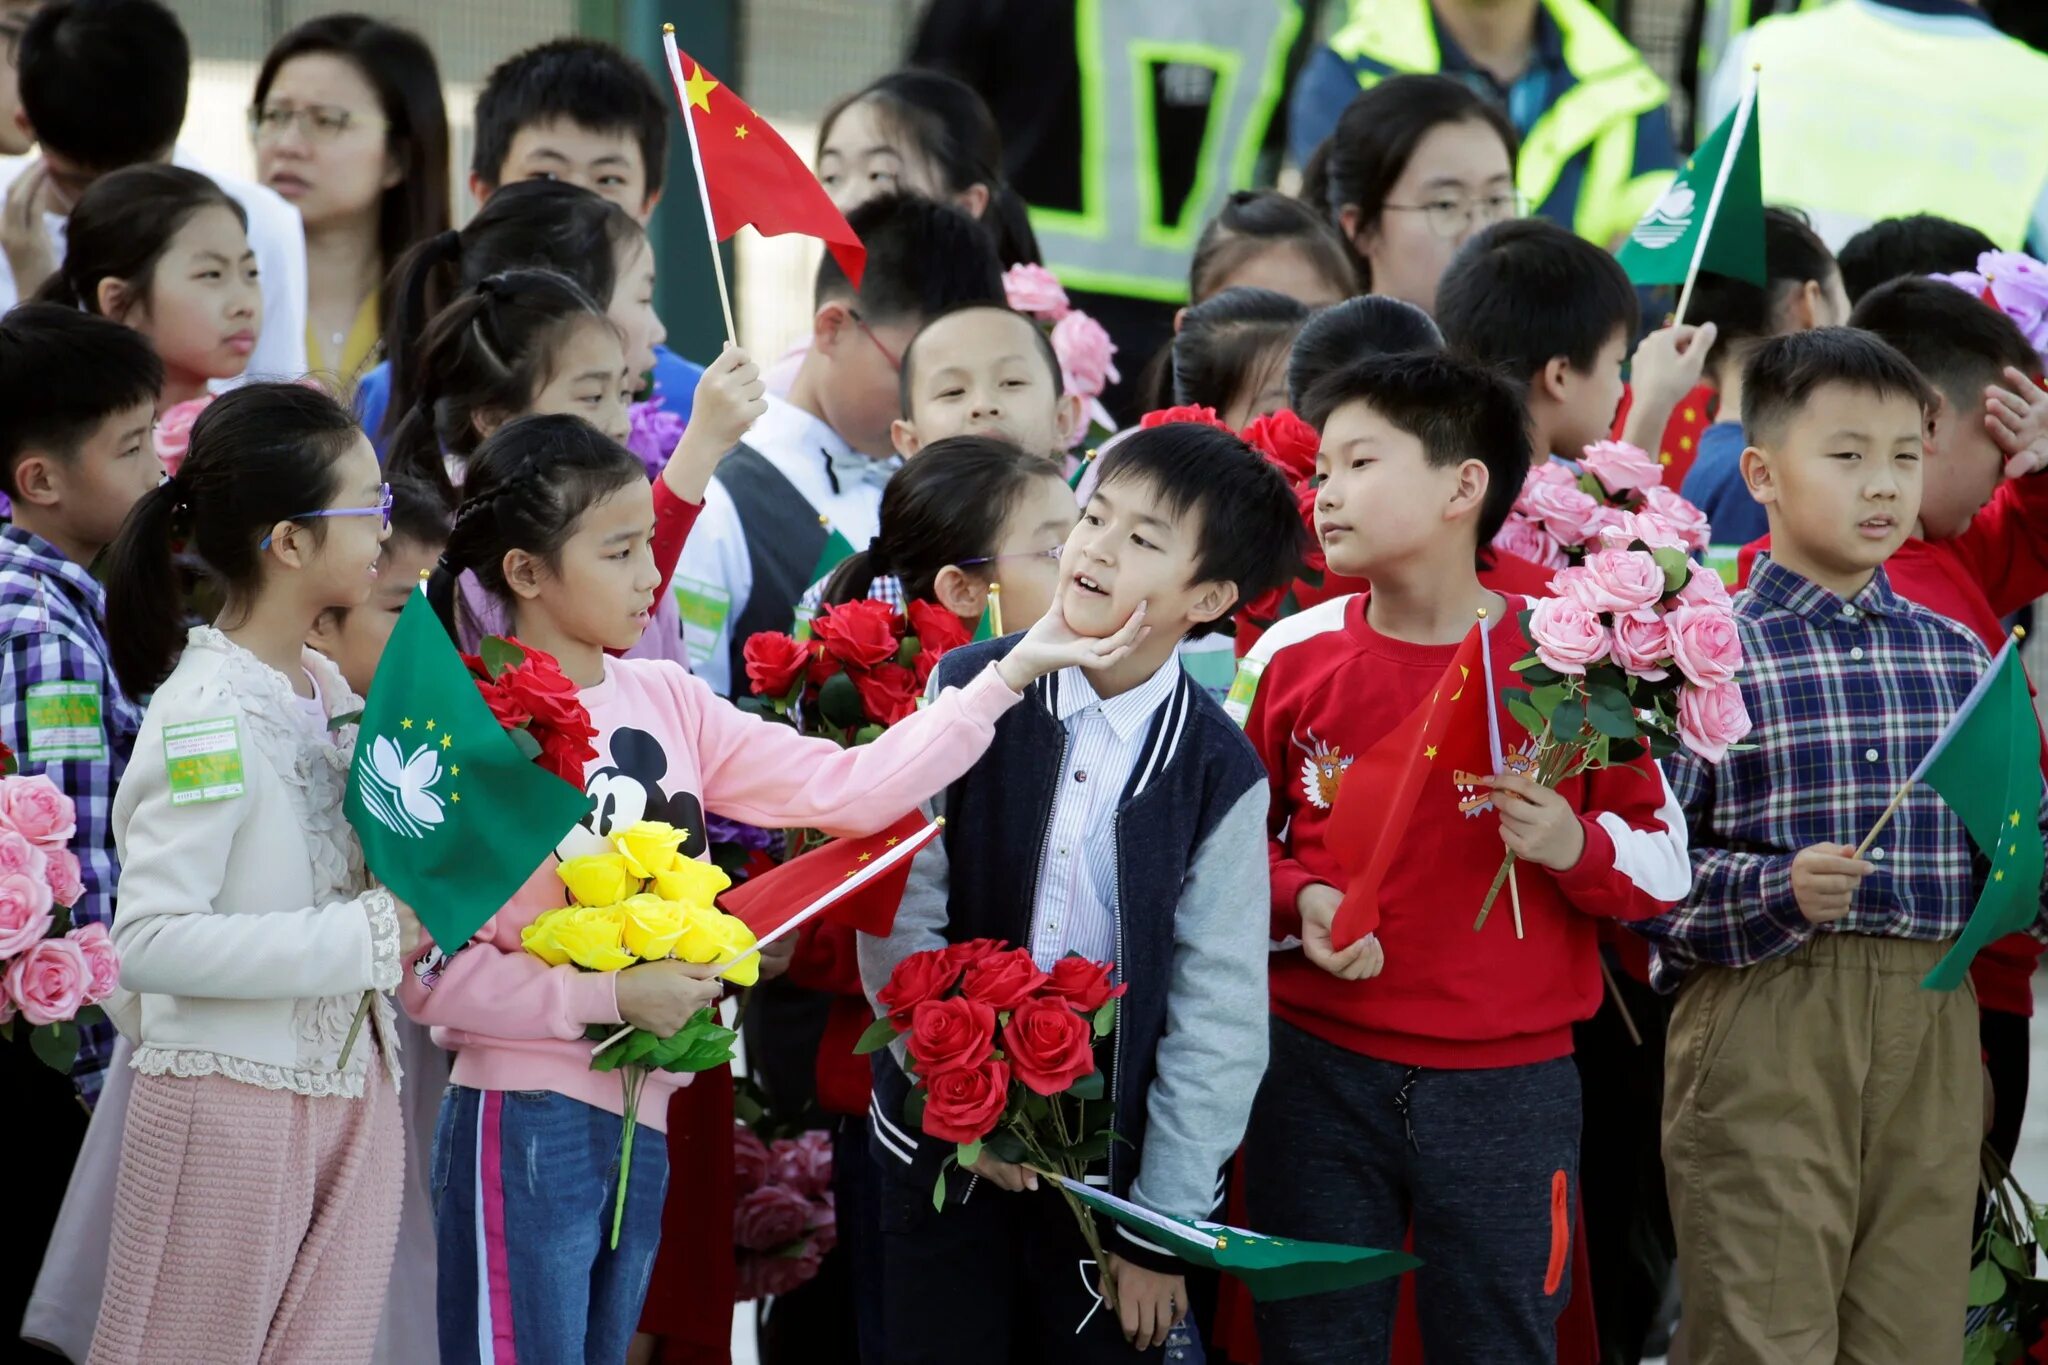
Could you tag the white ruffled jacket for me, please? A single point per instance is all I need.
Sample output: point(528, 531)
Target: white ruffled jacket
point(244, 924)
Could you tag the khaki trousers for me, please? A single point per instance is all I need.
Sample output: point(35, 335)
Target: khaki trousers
point(1822, 1117)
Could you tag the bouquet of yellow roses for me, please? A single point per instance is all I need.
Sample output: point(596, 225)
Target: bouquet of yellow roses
point(642, 902)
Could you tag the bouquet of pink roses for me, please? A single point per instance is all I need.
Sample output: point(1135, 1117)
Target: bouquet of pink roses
point(52, 977)
point(784, 1222)
point(1562, 509)
point(1085, 352)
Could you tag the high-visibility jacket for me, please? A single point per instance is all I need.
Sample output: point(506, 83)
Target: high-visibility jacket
point(1720, 24)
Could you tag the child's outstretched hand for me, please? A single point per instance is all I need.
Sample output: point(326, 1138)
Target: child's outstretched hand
point(2017, 418)
point(731, 395)
point(1537, 824)
point(1824, 880)
point(1317, 904)
point(1052, 644)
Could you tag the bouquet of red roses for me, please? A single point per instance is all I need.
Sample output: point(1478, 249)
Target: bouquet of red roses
point(862, 670)
point(784, 1222)
point(1002, 1056)
point(536, 704)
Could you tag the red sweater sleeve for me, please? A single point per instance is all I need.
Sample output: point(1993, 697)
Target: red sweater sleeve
point(2005, 546)
point(1634, 865)
point(673, 519)
point(1267, 727)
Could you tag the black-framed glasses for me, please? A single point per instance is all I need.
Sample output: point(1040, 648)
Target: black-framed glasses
point(316, 122)
point(895, 361)
point(1052, 554)
point(1447, 217)
point(382, 508)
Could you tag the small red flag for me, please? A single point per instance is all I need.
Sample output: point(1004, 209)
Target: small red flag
point(749, 173)
point(1380, 790)
point(855, 882)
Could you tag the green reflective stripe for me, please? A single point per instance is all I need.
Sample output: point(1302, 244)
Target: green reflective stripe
point(1117, 282)
point(1153, 229)
point(1581, 115)
point(1396, 33)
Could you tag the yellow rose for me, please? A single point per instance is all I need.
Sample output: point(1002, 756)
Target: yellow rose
point(701, 939)
point(597, 878)
point(593, 937)
point(736, 938)
point(692, 882)
point(649, 846)
point(652, 926)
point(538, 938)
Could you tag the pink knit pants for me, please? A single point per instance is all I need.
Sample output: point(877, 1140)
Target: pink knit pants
point(251, 1226)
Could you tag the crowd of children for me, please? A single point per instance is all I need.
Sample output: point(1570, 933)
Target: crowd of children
point(243, 426)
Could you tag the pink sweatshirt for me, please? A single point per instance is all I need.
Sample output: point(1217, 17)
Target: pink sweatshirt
point(515, 1023)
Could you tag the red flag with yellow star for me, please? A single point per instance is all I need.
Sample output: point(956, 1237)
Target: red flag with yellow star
point(749, 174)
point(1449, 732)
point(855, 882)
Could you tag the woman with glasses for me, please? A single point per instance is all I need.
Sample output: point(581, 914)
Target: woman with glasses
point(349, 126)
point(1417, 165)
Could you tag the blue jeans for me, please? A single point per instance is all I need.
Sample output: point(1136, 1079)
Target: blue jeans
point(524, 1185)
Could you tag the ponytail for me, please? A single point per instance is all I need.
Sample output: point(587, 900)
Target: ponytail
point(145, 618)
point(854, 577)
point(412, 279)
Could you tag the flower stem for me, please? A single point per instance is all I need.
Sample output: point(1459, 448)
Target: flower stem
point(632, 1078)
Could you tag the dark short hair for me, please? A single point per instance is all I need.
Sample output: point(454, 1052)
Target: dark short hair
point(1921, 244)
point(1226, 342)
point(1958, 342)
point(581, 80)
point(1524, 292)
point(1045, 350)
point(1457, 408)
point(1251, 532)
point(1786, 370)
point(1252, 221)
point(1370, 325)
point(104, 81)
point(63, 373)
point(923, 258)
point(1741, 311)
point(417, 513)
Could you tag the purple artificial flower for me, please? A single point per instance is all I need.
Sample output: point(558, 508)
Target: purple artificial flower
point(719, 830)
point(653, 435)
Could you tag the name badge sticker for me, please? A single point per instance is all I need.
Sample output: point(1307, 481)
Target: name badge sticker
point(703, 607)
point(1237, 704)
point(63, 721)
point(204, 760)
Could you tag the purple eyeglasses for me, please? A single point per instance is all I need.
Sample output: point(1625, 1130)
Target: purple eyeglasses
point(381, 509)
point(1052, 554)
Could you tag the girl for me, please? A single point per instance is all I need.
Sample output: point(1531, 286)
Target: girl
point(1264, 239)
point(258, 1192)
point(1416, 165)
point(556, 522)
point(1230, 354)
point(349, 126)
point(166, 251)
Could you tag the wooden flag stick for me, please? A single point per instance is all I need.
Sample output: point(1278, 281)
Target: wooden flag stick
point(1614, 989)
point(1898, 799)
point(1515, 896)
point(1743, 110)
point(675, 71)
point(995, 608)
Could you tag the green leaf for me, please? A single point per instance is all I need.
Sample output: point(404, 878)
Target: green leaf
point(970, 1152)
point(1105, 1019)
point(1091, 1148)
point(1524, 714)
point(7, 1030)
point(939, 1193)
point(868, 734)
point(906, 652)
point(1089, 1087)
point(1987, 1284)
point(1006, 1146)
point(1568, 719)
point(2007, 1255)
point(1534, 670)
point(56, 1045)
point(1625, 751)
point(913, 1109)
point(354, 717)
point(879, 1035)
point(60, 922)
point(1677, 567)
point(1662, 744)
point(89, 1015)
point(839, 702)
point(525, 743)
point(1546, 698)
point(499, 654)
point(1615, 724)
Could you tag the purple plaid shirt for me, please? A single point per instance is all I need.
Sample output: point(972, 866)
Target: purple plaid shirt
point(1846, 698)
point(51, 631)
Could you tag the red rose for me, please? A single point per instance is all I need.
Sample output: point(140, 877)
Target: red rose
point(964, 1105)
point(973, 950)
point(774, 661)
point(804, 1163)
point(917, 978)
point(822, 665)
point(1002, 981)
point(538, 683)
point(565, 752)
point(858, 634)
point(950, 1033)
point(1287, 441)
point(769, 1218)
point(1313, 560)
point(1187, 412)
point(1084, 985)
point(888, 692)
point(509, 714)
point(1050, 1046)
point(937, 629)
point(921, 667)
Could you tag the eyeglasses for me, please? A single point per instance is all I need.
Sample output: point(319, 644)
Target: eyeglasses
point(1052, 554)
point(895, 361)
point(1449, 217)
point(316, 122)
point(381, 509)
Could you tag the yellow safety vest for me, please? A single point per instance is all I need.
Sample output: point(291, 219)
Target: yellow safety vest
point(1124, 240)
point(1722, 21)
point(1864, 119)
point(1614, 88)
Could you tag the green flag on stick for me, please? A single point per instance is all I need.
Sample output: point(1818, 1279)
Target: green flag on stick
point(1271, 1267)
point(453, 816)
point(1712, 217)
point(836, 548)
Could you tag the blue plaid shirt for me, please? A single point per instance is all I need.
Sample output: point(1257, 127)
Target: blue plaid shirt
point(51, 631)
point(1846, 698)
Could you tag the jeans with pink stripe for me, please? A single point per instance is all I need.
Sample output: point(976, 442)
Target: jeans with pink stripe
point(524, 1188)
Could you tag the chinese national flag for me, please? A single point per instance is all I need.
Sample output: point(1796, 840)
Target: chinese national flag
point(750, 174)
point(855, 882)
point(1379, 792)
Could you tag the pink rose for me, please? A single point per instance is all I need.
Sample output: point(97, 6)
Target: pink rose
point(1618, 581)
point(749, 1159)
point(1705, 588)
point(1630, 527)
point(1621, 467)
point(1084, 350)
point(17, 854)
point(62, 873)
point(1705, 644)
point(1681, 516)
point(102, 963)
point(48, 981)
point(24, 912)
point(1564, 509)
point(803, 1163)
point(1037, 291)
point(1521, 536)
point(174, 431)
point(769, 1218)
point(38, 810)
point(1566, 635)
point(1712, 718)
point(1641, 644)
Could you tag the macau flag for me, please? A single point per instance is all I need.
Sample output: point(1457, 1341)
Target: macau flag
point(453, 817)
point(1712, 217)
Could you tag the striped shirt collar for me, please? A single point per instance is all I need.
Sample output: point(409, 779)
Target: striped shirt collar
point(1070, 693)
point(1772, 583)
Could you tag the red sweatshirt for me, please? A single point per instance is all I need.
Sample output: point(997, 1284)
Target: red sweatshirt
point(1996, 566)
point(1449, 997)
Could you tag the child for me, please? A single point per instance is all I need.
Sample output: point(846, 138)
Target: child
point(354, 637)
point(1149, 866)
point(1821, 1190)
point(1229, 353)
point(1921, 244)
point(558, 527)
point(1441, 1092)
point(246, 928)
point(1804, 291)
point(163, 250)
point(1262, 239)
point(982, 369)
point(816, 463)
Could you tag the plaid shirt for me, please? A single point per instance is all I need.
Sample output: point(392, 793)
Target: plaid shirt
point(887, 587)
point(1846, 698)
point(51, 614)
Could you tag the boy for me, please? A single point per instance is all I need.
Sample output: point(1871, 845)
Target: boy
point(1919, 245)
point(103, 85)
point(1552, 312)
point(1148, 807)
point(1821, 1188)
point(816, 462)
point(1442, 1092)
